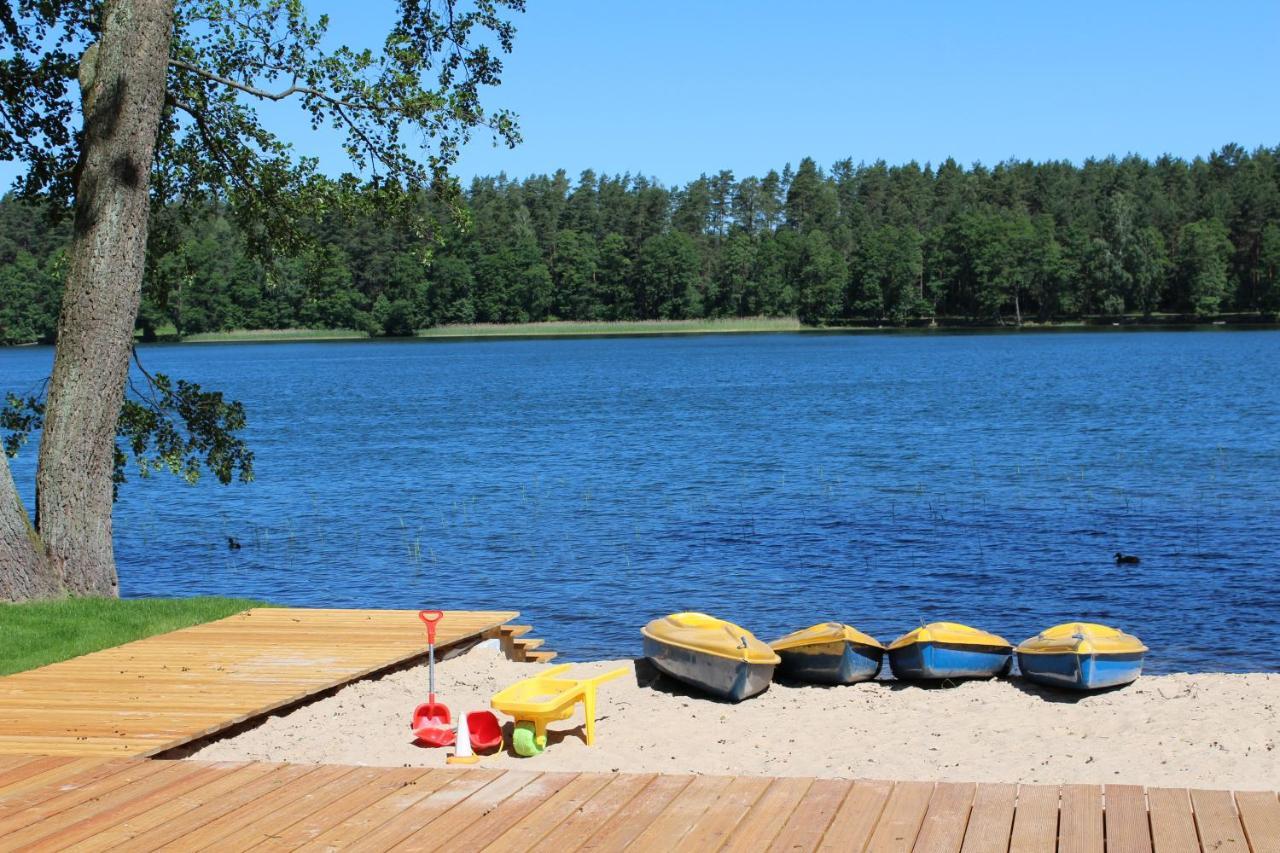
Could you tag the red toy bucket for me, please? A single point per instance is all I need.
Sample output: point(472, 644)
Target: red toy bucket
point(486, 732)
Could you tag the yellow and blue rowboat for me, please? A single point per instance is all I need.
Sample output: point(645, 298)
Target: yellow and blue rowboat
point(1082, 656)
point(713, 655)
point(831, 653)
point(949, 650)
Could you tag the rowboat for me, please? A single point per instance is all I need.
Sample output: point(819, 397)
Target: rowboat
point(831, 653)
point(1082, 656)
point(949, 650)
point(713, 655)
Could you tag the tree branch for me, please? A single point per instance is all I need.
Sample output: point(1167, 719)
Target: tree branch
point(263, 93)
point(212, 143)
point(376, 153)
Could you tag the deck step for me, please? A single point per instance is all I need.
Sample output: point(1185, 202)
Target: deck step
point(541, 657)
point(520, 648)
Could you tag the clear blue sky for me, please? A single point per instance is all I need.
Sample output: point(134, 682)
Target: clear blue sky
point(672, 89)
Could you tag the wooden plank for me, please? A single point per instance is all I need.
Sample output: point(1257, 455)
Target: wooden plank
point(384, 782)
point(1260, 814)
point(119, 834)
point(1173, 826)
point(903, 813)
point(247, 815)
point(944, 825)
point(643, 808)
point(491, 825)
point(469, 811)
point(9, 761)
point(75, 795)
point(173, 831)
point(991, 819)
point(22, 774)
point(160, 692)
point(1080, 825)
point(1128, 826)
point(804, 830)
point(92, 805)
point(40, 775)
point(458, 787)
point(574, 830)
point(1217, 823)
point(1035, 821)
point(359, 823)
point(716, 824)
point(87, 818)
point(530, 829)
point(772, 811)
point(665, 831)
point(81, 772)
point(856, 819)
point(273, 824)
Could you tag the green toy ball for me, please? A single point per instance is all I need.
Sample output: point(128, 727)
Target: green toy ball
point(526, 741)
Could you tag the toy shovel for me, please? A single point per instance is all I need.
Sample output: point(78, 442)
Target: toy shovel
point(431, 719)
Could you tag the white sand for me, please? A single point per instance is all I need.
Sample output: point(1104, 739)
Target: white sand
point(1206, 730)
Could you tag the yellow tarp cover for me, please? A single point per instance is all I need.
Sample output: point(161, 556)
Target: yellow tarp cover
point(699, 632)
point(952, 633)
point(823, 634)
point(1085, 638)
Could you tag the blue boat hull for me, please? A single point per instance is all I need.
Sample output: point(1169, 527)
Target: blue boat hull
point(852, 663)
point(1081, 672)
point(932, 661)
point(729, 679)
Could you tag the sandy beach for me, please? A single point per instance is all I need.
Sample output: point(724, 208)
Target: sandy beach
point(1203, 730)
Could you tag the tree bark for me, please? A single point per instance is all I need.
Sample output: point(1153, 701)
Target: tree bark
point(24, 571)
point(122, 81)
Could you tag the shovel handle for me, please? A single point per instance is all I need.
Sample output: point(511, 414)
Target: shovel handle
point(430, 618)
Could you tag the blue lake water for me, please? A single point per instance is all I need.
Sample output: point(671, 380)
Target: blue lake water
point(774, 480)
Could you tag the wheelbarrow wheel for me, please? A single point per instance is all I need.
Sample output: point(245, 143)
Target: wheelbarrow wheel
point(525, 740)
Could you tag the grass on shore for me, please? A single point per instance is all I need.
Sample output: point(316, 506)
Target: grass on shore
point(249, 335)
point(727, 325)
point(636, 327)
point(41, 632)
point(555, 328)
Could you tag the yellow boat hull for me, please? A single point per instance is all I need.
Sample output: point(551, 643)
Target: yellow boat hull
point(709, 654)
point(830, 653)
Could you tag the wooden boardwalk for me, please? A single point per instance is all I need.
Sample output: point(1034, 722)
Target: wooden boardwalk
point(155, 694)
point(63, 802)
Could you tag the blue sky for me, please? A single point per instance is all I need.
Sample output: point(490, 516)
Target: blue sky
point(673, 89)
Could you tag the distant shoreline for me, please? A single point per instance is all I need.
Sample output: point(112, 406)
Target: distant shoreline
point(733, 326)
point(737, 326)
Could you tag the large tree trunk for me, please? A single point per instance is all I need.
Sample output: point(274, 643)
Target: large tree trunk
point(123, 86)
point(24, 571)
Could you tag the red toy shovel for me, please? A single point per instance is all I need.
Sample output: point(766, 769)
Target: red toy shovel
point(431, 718)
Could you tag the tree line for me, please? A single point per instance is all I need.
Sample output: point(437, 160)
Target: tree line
point(1017, 242)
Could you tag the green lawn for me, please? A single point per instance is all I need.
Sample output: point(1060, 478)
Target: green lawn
point(639, 327)
point(42, 632)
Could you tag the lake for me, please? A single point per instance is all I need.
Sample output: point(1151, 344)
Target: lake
point(774, 480)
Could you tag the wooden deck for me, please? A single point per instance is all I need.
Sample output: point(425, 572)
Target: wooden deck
point(59, 802)
point(155, 694)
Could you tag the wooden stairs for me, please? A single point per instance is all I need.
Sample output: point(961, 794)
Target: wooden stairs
point(519, 647)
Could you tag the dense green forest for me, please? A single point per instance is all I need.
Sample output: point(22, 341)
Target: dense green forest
point(1017, 242)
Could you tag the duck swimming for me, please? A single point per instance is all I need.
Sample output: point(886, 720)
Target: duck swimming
point(1126, 559)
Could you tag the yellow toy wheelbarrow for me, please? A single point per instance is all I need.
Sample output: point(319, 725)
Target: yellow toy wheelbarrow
point(546, 698)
